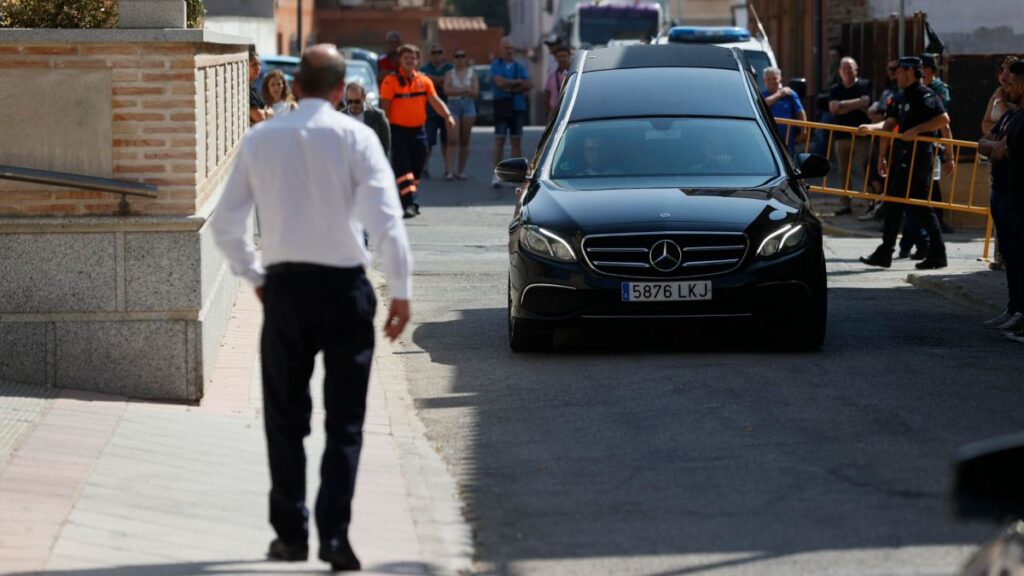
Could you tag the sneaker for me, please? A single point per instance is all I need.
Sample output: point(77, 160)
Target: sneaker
point(495, 181)
point(460, 176)
point(1014, 324)
point(410, 211)
point(449, 176)
point(998, 321)
point(1017, 336)
point(870, 214)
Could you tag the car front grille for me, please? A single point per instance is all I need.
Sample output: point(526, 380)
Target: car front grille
point(665, 254)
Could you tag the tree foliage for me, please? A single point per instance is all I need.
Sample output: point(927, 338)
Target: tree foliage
point(65, 14)
point(76, 13)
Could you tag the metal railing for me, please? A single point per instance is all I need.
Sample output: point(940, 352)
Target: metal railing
point(954, 147)
point(82, 182)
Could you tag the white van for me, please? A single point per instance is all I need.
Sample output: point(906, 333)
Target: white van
point(757, 50)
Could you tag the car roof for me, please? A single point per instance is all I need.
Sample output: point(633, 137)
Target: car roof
point(280, 59)
point(672, 80)
point(659, 56)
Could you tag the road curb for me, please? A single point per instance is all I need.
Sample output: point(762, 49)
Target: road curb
point(947, 287)
point(445, 538)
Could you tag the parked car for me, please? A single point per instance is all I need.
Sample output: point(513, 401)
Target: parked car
point(664, 208)
point(289, 65)
point(362, 72)
point(355, 53)
point(485, 100)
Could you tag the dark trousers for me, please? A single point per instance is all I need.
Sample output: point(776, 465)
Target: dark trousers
point(408, 153)
point(1009, 225)
point(914, 233)
point(924, 215)
point(308, 309)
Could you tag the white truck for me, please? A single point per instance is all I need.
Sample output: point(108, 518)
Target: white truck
point(608, 23)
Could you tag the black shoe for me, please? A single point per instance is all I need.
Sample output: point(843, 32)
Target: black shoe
point(880, 257)
point(844, 211)
point(340, 555)
point(410, 211)
point(282, 551)
point(919, 254)
point(930, 263)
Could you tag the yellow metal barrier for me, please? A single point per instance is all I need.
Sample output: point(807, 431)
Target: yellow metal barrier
point(954, 147)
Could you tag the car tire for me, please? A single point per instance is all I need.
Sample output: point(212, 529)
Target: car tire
point(526, 336)
point(807, 332)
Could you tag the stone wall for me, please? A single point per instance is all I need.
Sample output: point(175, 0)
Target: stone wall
point(130, 304)
point(168, 114)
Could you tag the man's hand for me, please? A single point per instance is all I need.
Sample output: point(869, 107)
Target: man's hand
point(398, 317)
point(909, 134)
point(883, 166)
point(450, 121)
point(833, 106)
point(947, 166)
point(863, 129)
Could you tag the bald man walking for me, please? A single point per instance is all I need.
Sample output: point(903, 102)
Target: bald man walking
point(318, 178)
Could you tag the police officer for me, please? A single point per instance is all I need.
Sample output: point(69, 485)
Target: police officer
point(916, 111)
point(404, 96)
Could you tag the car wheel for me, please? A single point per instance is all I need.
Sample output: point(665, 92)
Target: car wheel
point(526, 336)
point(807, 332)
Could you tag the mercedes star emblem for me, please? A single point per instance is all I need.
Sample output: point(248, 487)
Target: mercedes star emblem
point(666, 255)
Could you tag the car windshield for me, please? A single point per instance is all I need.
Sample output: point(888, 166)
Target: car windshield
point(684, 152)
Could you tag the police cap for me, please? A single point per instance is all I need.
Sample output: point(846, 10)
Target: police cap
point(910, 62)
point(928, 61)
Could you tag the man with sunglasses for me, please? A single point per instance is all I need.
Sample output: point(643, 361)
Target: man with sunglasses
point(435, 69)
point(356, 106)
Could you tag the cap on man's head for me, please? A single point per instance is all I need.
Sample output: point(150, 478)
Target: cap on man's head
point(928, 61)
point(909, 62)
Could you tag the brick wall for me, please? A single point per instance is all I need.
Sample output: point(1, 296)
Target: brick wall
point(366, 28)
point(177, 113)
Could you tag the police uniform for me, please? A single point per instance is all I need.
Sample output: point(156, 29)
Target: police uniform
point(407, 113)
point(915, 105)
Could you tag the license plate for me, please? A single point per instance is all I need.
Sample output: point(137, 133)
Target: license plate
point(666, 291)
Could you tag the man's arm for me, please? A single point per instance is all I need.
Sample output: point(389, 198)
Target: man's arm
point(934, 123)
point(506, 84)
point(228, 223)
point(851, 105)
point(378, 209)
point(442, 109)
point(779, 94)
point(257, 115)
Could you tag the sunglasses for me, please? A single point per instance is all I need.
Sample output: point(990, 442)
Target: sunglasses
point(437, 51)
point(460, 55)
point(356, 102)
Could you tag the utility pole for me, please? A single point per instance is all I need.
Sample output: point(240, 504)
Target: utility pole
point(902, 27)
point(299, 30)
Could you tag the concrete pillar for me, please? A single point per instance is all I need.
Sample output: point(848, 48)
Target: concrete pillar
point(153, 14)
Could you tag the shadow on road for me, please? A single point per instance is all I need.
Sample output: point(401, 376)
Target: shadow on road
point(633, 443)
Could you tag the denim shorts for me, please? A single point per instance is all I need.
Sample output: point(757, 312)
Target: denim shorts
point(514, 125)
point(461, 107)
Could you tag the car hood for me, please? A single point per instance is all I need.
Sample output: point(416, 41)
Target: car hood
point(643, 209)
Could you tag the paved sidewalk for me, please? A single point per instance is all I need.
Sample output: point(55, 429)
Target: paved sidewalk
point(107, 486)
point(970, 283)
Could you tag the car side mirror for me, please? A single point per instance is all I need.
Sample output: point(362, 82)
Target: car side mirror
point(987, 479)
point(512, 170)
point(812, 166)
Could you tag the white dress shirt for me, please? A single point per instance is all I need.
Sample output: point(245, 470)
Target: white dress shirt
point(318, 178)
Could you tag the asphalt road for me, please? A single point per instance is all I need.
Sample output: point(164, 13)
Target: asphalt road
point(632, 451)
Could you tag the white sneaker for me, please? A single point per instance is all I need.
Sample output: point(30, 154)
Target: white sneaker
point(998, 320)
point(1013, 324)
point(495, 181)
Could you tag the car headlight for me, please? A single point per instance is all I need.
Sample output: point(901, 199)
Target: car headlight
point(783, 240)
point(546, 243)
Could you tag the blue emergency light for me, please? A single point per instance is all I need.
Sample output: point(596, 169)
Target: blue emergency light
point(708, 34)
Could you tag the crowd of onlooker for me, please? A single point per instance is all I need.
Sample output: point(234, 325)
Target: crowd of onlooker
point(913, 103)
